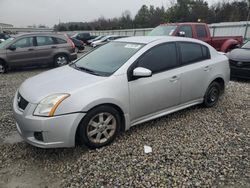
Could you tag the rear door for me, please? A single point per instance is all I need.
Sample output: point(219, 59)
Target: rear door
point(24, 54)
point(161, 90)
point(45, 45)
point(196, 68)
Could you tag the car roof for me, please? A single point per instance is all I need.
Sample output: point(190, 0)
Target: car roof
point(40, 34)
point(149, 39)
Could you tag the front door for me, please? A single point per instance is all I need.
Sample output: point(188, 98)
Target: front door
point(161, 90)
point(24, 54)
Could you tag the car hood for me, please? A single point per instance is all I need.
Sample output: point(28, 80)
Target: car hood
point(60, 80)
point(239, 55)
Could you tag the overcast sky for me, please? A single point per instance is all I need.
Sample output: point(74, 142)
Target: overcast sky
point(48, 12)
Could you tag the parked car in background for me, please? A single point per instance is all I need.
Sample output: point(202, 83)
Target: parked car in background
point(27, 50)
point(4, 36)
point(95, 39)
point(120, 84)
point(79, 45)
point(240, 61)
point(105, 40)
point(83, 37)
point(198, 31)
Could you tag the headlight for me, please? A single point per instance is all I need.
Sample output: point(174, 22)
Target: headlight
point(48, 105)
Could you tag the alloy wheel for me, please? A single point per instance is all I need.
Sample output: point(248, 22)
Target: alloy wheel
point(101, 128)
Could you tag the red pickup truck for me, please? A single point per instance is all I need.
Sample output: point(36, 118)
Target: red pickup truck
point(198, 31)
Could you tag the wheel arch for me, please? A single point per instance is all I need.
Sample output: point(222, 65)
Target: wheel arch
point(5, 62)
point(119, 109)
point(229, 44)
point(219, 80)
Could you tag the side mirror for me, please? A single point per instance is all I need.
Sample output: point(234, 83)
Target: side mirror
point(181, 33)
point(142, 72)
point(12, 47)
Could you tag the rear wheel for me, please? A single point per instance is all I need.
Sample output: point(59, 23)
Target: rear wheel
point(99, 127)
point(212, 95)
point(3, 67)
point(61, 60)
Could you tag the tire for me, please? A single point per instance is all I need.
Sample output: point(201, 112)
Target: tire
point(60, 60)
point(3, 68)
point(94, 132)
point(212, 95)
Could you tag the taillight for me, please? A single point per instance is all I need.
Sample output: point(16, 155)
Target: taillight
point(71, 43)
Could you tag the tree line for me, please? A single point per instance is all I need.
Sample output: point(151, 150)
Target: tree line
point(179, 11)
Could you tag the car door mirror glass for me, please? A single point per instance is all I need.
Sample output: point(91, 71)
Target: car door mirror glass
point(142, 72)
point(12, 47)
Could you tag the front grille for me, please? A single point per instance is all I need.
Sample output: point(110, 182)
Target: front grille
point(239, 64)
point(21, 102)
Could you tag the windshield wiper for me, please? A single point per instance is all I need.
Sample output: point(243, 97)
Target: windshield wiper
point(86, 70)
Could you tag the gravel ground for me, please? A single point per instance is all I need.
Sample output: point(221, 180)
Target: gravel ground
point(196, 147)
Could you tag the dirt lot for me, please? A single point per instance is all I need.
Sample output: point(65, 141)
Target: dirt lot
point(196, 147)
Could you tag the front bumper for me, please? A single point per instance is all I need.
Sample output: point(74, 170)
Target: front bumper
point(73, 56)
point(57, 131)
point(240, 72)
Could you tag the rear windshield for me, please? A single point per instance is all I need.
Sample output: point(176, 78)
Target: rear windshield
point(108, 58)
point(163, 30)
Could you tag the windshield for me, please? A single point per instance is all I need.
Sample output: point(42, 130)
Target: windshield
point(246, 45)
point(4, 43)
point(108, 58)
point(163, 30)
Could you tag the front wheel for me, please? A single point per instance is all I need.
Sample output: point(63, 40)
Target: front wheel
point(99, 127)
point(60, 60)
point(212, 95)
point(2, 68)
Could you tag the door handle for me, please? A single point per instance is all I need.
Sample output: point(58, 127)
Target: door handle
point(207, 68)
point(53, 47)
point(174, 78)
point(30, 49)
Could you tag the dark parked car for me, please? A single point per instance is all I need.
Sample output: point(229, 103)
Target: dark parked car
point(36, 49)
point(78, 44)
point(4, 36)
point(240, 61)
point(83, 37)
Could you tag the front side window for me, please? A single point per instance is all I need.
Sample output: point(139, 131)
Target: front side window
point(24, 42)
point(192, 52)
point(108, 58)
point(201, 31)
point(187, 29)
point(160, 58)
point(44, 40)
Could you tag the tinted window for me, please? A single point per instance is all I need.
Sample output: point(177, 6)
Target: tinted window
point(160, 58)
point(201, 31)
point(24, 42)
point(191, 52)
point(205, 51)
point(44, 40)
point(187, 29)
point(60, 41)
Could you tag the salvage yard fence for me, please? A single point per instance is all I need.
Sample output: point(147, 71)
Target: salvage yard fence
point(241, 28)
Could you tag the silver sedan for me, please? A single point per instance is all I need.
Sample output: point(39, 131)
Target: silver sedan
point(123, 83)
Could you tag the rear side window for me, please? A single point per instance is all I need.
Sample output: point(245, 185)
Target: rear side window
point(160, 58)
point(44, 40)
point(201, 31)
point(187, 29)
point(60, 41)
point(192, 52)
